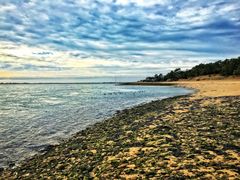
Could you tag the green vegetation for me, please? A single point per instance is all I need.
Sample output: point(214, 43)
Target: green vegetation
point(227, 67)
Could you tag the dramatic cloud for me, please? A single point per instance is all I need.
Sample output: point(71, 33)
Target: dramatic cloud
point(114, 37)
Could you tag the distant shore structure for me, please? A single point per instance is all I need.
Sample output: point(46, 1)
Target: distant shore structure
point(116, 80)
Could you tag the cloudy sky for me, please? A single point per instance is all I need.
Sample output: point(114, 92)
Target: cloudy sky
point(46, 38)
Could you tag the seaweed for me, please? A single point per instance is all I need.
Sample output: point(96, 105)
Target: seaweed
point(175, 138)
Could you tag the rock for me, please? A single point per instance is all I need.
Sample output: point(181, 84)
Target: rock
point(1, 169)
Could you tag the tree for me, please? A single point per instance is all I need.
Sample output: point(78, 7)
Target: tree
point(225, 68)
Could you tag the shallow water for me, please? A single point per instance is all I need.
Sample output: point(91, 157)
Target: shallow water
point(34, 116)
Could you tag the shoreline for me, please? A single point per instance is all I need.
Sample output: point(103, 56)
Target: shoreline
point(144, 141)
point(204, 88)
point(117, 112)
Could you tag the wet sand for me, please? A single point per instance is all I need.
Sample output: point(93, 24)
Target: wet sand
point(194, 136)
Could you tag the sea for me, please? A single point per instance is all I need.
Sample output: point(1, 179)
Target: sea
point(35, 115)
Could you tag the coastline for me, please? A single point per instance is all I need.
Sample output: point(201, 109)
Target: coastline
point(179, 137)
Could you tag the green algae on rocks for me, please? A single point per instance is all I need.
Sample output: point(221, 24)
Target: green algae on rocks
point(172, 138)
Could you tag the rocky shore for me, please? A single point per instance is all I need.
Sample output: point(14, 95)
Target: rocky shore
point(181, 137)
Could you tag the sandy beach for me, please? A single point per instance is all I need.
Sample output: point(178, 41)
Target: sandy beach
point(195, 136)
point(205, 88)
point(213, 88)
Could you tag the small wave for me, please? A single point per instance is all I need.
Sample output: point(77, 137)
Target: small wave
point(123, 91)
point(52, 101)
point(129, 90)
point(73, 94)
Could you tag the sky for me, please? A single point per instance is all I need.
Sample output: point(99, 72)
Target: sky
point(93, 38)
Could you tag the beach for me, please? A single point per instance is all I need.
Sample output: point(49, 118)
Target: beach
point(194, 136)
point(205, 88)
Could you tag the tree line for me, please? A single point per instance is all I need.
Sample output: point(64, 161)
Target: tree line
point(227, 67)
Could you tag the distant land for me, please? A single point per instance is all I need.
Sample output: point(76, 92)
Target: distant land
point(219, 69)
point(6, 83)
point(69, 80)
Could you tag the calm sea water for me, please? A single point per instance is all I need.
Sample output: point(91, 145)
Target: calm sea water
point(34, 116)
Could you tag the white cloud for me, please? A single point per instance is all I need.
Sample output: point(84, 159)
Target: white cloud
point(7, 7)
point(144, 3)
point(195, 15)
point(19, 55)
point(79, 36)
